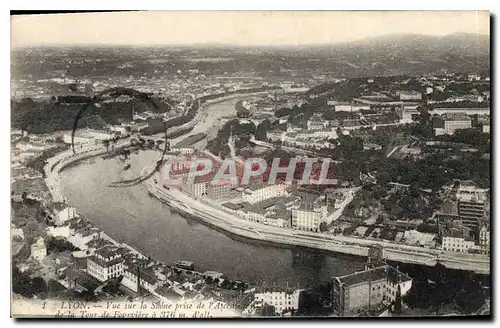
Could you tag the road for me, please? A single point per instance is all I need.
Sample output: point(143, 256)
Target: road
point(393, 151)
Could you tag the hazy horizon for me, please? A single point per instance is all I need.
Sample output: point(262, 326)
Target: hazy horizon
point(236, 28)
point(188, 45)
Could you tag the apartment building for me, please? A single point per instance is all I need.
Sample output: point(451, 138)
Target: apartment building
point(471, 212)
point(448, 124)
point(348, 107)
point(106, 262)
point(484, 240)
point(308, 216)
point(259, 192)
point(280, 300)
point(220, 189)
point(456, 243)
point(469, 192)
point(410, 95)
point(362, 291)
point(315, 123)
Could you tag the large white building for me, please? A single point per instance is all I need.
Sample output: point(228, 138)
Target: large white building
point(260, 192)
point(106, 263)
point(66, 214)
point(323, 133)
point(460, 110)
point(410, 95)
point(308, 217)
point(316, 123)
point(469, 193)
point(342, 107)
point(455, 243)
point(282, 301)
point(197, 189)
point(449, 124)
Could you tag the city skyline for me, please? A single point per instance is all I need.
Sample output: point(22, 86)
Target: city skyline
point(238, 28)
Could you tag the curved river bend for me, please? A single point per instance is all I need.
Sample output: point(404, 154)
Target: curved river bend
point(130, 215)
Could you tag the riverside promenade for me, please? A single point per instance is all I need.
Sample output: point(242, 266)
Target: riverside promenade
point(220, 218)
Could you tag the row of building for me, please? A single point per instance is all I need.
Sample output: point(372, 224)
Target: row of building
point(469, 228)
point(370, 291)
point(373, 291)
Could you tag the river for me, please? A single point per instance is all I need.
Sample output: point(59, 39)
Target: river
point(130, 215)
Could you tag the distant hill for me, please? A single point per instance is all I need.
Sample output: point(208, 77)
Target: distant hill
point(459, 43)
point(396, 54)
point(411, 54)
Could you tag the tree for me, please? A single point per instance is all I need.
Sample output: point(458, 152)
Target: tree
point(427, 228)
point(282, 112)
point(106, 143)
point(261, 130)
point(323, 226)
point(243, 113)
point(24, 196)
point(23, 285)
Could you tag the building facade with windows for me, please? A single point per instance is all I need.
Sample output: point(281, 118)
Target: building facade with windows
point(220, 189)
point(259, 192)
point(484, 240)
point(282, 300)
point(308, 217)
point(372, 288)
point(455, 243)
point(471, 212)
point(410, 95)
point(447, 124)
point(106, 263)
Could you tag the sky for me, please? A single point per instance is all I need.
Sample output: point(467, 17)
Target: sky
point(236, 28)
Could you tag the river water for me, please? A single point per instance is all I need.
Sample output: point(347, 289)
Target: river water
point(130, 215)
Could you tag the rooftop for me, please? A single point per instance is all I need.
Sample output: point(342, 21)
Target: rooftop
point(110, 250)
point(232, 206)
point(375, 274)
point(363, 276)
point(449, 117)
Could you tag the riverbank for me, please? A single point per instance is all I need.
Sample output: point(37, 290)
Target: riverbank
point(332, 243)
point(61, 160)
point(231, 223)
